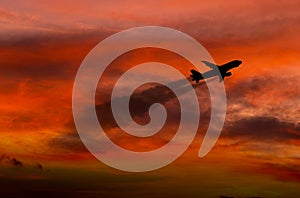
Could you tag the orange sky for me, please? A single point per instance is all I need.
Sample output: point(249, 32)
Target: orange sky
point(43, 44)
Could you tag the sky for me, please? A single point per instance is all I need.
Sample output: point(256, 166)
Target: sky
point(43, 44)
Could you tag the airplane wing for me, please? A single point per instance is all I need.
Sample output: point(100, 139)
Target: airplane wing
point(209, 64)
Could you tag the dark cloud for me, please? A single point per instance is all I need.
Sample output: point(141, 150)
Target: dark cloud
point(261, 128)
point(70, 142)
point(40, 57)
point(253, 26)
point(40, 167)
point(142, 99)
point(6, 160)
point(139, 104)
point(16, 162)
point(260, 84)
point(283, 172)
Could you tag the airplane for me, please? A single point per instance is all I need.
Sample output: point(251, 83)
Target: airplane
point(216, 71)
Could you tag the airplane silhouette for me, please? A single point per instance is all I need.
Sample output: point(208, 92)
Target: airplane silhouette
point(216, 71)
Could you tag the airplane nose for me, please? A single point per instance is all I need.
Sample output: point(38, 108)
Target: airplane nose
point(239, 62)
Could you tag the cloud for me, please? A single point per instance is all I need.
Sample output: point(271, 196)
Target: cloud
point(283, 172)
point(139, 104)
point(69, 142)
point(144, 97)
point(249, 22)
point(50, 57)
point(42, 47)
point(263, 129)
point(40, 167)
point(267, 95)
point(6, 160)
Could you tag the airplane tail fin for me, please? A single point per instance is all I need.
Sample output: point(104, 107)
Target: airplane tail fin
point(196, 76)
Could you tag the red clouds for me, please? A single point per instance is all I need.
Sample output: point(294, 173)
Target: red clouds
point(42, 46)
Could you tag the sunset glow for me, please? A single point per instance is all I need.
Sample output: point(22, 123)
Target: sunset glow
point(42, 45)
